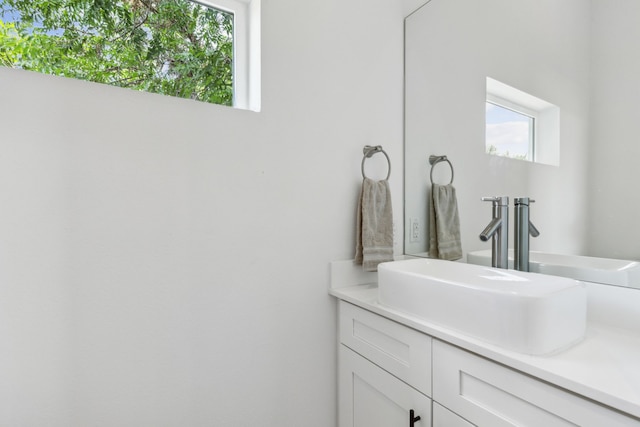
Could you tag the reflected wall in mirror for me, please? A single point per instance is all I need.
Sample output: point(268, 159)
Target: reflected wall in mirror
point(575, 54)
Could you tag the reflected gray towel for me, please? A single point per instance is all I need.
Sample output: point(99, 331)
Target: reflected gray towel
point(374, 238)
point(444, 224)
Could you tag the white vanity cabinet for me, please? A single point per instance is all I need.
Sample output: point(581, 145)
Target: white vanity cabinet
point(384, 372)
point(489, 394)
point(389, 373)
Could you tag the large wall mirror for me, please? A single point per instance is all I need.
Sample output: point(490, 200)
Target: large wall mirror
point(579, 56)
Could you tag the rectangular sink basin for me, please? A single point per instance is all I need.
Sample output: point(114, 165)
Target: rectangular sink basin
point(589, 269)
point(524, 312)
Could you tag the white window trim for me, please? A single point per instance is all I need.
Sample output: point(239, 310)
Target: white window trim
point(246, 43)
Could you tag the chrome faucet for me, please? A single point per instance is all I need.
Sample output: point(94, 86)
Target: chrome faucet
point(523, 228)
point(498, 230)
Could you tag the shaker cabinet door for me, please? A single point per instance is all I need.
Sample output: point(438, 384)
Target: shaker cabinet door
point(371, 397)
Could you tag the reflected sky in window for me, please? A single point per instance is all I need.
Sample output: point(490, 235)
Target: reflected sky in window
point(508, 132)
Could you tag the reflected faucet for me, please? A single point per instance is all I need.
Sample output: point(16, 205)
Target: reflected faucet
point(498, 231)
point(523, 228)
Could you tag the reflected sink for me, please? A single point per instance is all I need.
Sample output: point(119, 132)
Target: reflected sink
point(590, 269)
point(525, 312)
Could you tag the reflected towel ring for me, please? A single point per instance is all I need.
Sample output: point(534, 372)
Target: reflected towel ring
point(434, 160)
point(369, 151)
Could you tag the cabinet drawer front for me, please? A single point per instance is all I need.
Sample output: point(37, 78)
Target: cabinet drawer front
point(372, 397)
point(402, 351)
point(491, 395)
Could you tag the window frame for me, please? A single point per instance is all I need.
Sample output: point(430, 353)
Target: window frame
point(246, 49)
point(524, 111)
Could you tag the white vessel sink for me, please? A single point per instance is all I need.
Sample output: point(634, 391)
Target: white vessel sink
point(590, 269)
point(524, 312)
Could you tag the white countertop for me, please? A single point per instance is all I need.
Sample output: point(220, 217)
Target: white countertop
point(604, 367)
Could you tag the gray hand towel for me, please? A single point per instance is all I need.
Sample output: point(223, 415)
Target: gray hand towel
point(374, 238)
point(444, 224)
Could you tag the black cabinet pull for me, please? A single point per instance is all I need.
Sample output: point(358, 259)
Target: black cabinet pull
point(413, 418)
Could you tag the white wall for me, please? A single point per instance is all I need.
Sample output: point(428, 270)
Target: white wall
point(164, 262)
point(614, 204)
point(540, 47)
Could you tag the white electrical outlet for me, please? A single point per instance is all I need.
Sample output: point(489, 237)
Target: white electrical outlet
point(414, 230)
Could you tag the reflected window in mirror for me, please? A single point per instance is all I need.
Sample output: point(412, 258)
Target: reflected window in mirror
point(509, 132)
point(520, 125)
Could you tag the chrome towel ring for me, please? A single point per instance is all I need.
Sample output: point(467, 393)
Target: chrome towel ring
point(434, 160)
point(369, 151)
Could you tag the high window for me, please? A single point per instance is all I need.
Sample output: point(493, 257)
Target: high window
point(180, 48)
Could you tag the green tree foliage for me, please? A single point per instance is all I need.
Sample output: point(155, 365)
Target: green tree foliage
point(172, 47)
point(492, 149)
